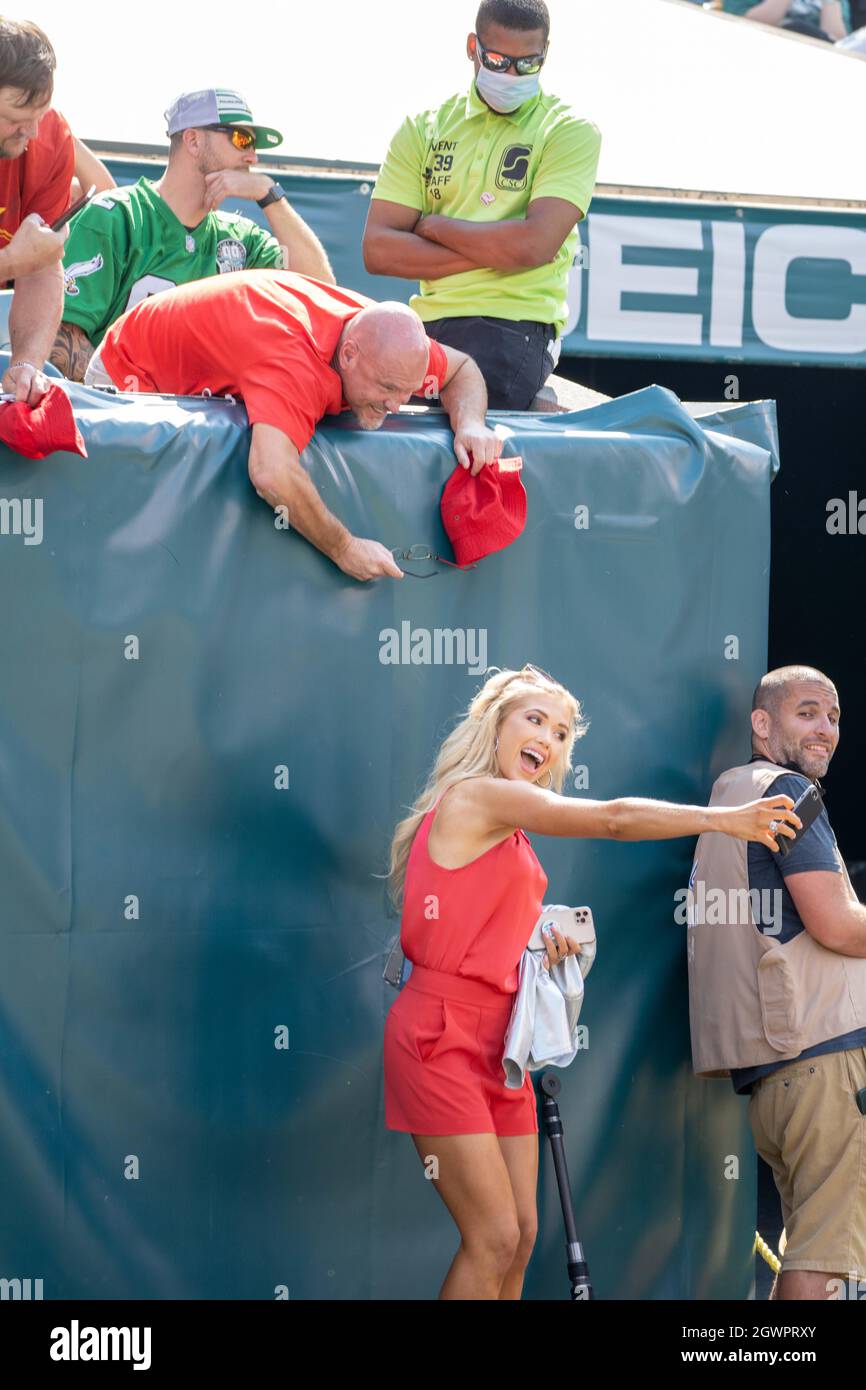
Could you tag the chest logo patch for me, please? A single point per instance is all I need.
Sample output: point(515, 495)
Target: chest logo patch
point(231, 254)
point(513, 168)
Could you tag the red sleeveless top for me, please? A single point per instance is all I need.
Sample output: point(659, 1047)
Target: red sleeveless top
point(474, 921)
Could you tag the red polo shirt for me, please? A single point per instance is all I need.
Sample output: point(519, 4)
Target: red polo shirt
point(267, 336)
point(39, 180)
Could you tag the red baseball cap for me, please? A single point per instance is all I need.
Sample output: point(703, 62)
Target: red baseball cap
point(39, 430)
point(484, 513)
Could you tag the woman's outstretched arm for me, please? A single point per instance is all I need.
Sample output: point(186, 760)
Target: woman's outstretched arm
point(491, 802)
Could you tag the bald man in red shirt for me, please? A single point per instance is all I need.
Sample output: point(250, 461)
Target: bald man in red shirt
point(295, 349)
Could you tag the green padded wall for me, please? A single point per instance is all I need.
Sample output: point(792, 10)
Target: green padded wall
point(166, 906)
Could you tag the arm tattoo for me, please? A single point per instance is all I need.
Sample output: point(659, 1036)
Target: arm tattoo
point(72, 351)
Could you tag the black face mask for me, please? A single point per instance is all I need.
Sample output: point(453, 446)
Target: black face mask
point(791, 767)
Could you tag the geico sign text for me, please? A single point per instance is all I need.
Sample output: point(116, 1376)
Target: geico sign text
point(736, 285)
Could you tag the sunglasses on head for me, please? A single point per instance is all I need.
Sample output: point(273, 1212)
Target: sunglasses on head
point(525, 66)
point(241, 139)
point(537, 671)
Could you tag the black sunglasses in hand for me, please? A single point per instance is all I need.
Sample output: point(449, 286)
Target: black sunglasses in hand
point(419, 554)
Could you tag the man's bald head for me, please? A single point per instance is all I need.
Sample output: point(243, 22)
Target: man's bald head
point(795, 718)
point(772, 689)
point(382, 359)
point(388, 330)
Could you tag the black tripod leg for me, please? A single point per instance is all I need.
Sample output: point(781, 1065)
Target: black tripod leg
point(578, 1269)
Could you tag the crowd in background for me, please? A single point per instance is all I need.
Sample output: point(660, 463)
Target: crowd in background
point(829, 20)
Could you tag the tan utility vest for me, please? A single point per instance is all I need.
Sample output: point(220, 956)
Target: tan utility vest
point(752, 998)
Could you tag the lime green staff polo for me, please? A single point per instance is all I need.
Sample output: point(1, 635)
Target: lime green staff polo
point(467, 161)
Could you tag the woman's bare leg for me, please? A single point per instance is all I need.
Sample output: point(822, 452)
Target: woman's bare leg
point(472, 1178)
point(520, 1152)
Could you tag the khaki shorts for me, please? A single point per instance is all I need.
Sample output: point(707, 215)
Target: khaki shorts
point(807, 1126)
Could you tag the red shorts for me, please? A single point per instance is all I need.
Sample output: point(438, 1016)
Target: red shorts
point(444, 1038)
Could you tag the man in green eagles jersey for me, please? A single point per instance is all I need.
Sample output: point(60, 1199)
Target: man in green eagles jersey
point(135, 241)
point(479, 200)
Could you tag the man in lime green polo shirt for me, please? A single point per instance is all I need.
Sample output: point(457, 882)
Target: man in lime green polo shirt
point(480, 201)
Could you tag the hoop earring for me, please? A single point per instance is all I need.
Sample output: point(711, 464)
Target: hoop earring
point(549, 781)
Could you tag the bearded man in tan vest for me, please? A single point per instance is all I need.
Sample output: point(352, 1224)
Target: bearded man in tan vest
point(777, 989)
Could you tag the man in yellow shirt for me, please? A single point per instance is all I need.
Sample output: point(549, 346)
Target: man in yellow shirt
point(480, 201)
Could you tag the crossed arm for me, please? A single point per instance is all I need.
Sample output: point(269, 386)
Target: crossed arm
point(399, 241)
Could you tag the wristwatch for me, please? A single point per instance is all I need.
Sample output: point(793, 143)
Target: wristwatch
point(273, 195)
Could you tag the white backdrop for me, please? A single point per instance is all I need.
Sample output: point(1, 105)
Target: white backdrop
point(684, 98)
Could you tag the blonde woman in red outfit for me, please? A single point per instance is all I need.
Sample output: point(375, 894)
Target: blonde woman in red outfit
point(471, 890)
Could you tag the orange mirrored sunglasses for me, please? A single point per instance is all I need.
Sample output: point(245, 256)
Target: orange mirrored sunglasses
point(240, 138)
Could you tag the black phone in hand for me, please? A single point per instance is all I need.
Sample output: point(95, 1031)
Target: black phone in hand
point(808, 807)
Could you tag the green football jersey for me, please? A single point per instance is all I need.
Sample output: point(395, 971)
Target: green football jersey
point(127, 244)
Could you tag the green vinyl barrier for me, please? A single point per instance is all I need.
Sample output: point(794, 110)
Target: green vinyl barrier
point(203, 753)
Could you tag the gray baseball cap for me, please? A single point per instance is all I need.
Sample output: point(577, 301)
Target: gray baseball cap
point(217, 106)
